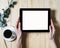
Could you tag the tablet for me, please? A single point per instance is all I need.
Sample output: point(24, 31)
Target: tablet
point(35, 19)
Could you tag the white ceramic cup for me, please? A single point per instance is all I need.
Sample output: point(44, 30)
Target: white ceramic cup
point(9, 33)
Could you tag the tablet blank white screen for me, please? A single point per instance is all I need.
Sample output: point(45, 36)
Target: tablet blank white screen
point(35, 20)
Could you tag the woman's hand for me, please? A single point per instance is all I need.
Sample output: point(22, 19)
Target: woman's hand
point(51, 35)
point(18, 33)
point(18, 29)
point(52, 30)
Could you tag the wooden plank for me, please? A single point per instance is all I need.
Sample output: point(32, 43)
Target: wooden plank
point(15, 14)
point(1, 40)
point(38, 40)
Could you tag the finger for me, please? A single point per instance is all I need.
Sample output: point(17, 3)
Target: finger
point(52, 25)
point(50, 28)
point(19, 30)
point(50, 36)
point(17, 25)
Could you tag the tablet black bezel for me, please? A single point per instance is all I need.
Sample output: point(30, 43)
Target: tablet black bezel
point(35, 9)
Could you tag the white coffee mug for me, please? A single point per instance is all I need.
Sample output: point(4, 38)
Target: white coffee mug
point(9, 33)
